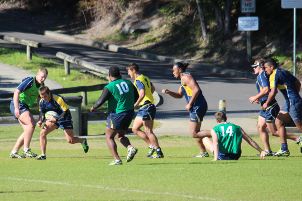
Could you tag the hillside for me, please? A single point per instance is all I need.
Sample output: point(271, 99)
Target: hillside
point(170, 29)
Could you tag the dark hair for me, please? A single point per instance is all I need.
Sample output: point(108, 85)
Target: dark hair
point(44, 90)
point(220, 116)
point(182, 66)
point(133, 66)
point(115, 72)
point(271, 61)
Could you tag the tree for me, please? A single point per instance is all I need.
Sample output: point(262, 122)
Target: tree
point(202, 19)
point(228, 8)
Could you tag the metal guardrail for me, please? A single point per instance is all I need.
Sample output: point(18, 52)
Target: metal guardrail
point(30, 44)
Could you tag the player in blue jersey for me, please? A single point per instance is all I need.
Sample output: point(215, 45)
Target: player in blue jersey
point(227, 139)
point(56, 103)
point(196, 103)
point(146, 112)
point(26, 94)
point(290, 87)
point(267, 116)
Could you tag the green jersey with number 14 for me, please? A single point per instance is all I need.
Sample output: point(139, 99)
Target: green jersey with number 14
point(229, 138)
point(122, 96)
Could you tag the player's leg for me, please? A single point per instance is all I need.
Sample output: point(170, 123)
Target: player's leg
point(28, 124)
point(194, 128)
point(136, 128)
point(47, 128)
point(148, 126)
point(281, 119)
point(261, 126)
point(110, 134)
point(208, 144)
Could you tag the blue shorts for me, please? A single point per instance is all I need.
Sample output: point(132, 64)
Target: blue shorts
point(223, 156)
point(147, 112)
point(271, 113)
point(64, 124)
point(120, 121)
point(196, 115)
point(22, 106)
point(295, 110)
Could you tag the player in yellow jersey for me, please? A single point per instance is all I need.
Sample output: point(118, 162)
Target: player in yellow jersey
point(146, 112)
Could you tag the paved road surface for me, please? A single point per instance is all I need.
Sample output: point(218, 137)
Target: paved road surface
point(234, 90)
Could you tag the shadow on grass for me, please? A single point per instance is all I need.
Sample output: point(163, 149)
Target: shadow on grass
point(22, 191)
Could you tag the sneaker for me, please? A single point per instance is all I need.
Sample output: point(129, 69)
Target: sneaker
point(41, 157)
point(299, 142)
point(202, 155)
point(85, 145)
point(151, 151)
point(268, 153)
point(16, 155)
point(131, 154)
point(157, 155)
point(282, 153)
point(116, 162)
point(29, 153)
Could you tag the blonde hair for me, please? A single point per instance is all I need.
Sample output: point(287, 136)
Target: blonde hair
point(43, 70)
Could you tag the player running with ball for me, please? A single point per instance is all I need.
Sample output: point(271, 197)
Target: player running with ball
point(56, 103)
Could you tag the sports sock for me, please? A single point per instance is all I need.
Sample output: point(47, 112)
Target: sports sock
point(151, 147)
point(26, 149)
point(284, 147)
point(158, 149)
point(14, 152)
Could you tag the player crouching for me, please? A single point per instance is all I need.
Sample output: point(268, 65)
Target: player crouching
point(56, 103)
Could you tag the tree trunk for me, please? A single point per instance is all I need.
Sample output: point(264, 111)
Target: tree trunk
point(218, 16)
point(228, 8)
point(202, 20)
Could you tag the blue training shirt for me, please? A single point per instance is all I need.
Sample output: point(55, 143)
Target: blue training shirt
point(56, 103)
point(285, 82)
point(262, 82)
point(200, 100)
point(27, 83)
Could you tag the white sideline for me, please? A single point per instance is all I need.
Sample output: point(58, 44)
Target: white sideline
point(100, 187)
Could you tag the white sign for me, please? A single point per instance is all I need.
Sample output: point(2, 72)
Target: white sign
point(291, 3)
point(248, 6)
point(248, 24)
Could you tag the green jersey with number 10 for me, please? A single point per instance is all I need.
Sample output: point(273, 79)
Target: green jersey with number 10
point(122, 96)
point(229, 138)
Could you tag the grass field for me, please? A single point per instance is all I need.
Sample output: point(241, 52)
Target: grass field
point(70, 174)
point(56, 72)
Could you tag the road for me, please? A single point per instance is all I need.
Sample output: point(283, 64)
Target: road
point(234, 90)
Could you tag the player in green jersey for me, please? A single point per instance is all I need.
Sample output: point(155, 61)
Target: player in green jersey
point(121, 96)
point(24, 97)
point(227, 138)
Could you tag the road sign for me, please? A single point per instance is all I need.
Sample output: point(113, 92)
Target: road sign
point(248, 6)
point(291, 4)
point(248, 23)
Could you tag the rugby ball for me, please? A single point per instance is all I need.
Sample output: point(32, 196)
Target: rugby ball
point(51, 113)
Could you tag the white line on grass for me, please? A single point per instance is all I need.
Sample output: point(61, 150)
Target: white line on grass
point(107, 188)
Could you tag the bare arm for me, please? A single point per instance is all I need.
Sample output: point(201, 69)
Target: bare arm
point(252, 143)
point(215, 145)
point(190, 82)
point(178, 94)
point(262, 93)
point(271, 96)
point(16, 102)
point(140, 98)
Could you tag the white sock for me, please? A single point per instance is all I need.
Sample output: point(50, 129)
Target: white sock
point(151, 147)
point(26, 149)
point(14, 152)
